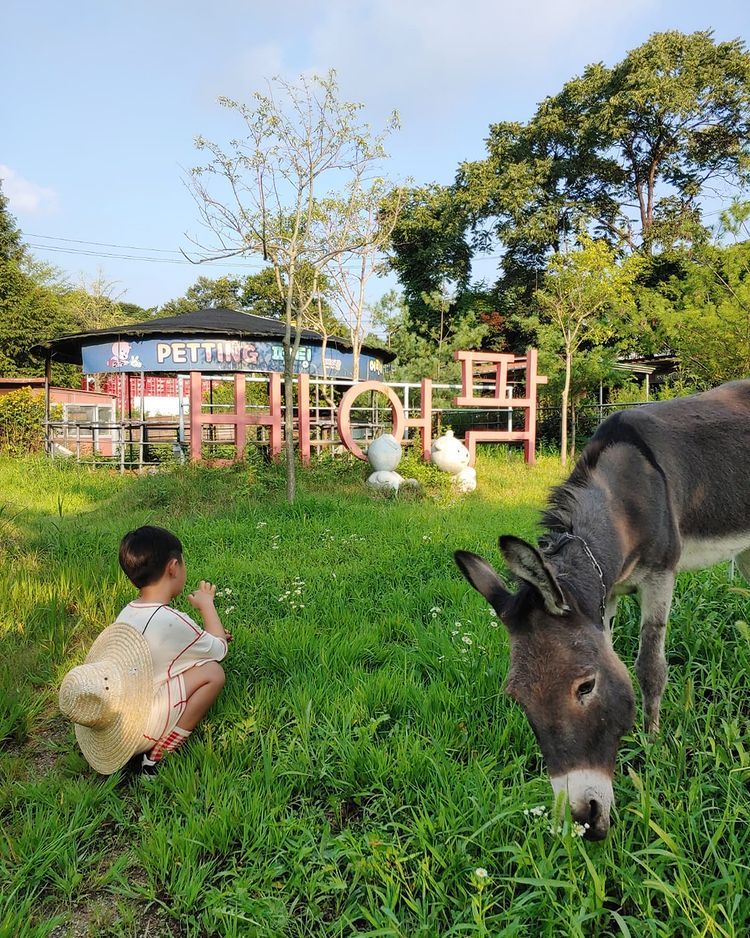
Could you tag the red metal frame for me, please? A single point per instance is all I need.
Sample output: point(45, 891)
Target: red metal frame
point(240, 419)
point(503, 363)
point(423, 423)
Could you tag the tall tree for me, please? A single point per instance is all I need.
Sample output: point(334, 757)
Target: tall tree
point(206, 293)
point(303, 150)
point(628, 152)
point(586, 299)
point(371, 218)
point(11, 246)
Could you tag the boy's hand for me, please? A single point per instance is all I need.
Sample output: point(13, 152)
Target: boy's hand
point(228, 636)
point(203, 597)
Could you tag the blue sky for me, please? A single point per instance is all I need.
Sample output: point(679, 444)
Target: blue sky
point(102, 101)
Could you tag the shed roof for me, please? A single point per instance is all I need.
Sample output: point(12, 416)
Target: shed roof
point(209, 321)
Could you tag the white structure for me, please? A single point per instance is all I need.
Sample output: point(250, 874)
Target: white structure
point(451, 456)
point(384, 454)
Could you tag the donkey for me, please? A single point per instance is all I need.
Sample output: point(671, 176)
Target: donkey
point(658, 489)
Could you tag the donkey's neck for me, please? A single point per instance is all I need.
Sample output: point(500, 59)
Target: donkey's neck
point(583, 549)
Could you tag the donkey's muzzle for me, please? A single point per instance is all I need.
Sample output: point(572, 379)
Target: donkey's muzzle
point(589, 793)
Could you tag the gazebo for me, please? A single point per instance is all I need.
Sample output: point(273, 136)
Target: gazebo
point(212, 342)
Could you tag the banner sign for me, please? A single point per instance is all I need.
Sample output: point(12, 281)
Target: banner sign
point(193, 353)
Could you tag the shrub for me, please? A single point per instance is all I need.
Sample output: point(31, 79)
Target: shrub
point(21, 422)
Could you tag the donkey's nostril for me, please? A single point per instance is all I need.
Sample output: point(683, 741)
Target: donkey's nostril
point(595, 809)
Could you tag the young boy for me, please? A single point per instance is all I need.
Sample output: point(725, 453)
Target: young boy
point(187, 675)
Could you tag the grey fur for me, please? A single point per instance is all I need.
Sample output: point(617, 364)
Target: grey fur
point(664, 483)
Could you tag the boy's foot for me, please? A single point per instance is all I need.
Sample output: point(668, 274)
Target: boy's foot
point(132, 766)
point(148, 767)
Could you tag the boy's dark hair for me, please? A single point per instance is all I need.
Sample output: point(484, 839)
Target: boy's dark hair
point(145, 553)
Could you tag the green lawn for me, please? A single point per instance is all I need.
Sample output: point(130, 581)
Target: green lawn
point(362, 761)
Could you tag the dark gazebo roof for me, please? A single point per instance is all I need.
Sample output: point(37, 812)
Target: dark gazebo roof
point(226, 322)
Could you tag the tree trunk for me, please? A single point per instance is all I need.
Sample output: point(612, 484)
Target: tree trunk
point(564, 410)
point(573, 427)
point(290, 350)
point(291, 480)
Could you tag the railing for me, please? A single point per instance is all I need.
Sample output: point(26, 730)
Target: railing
point(148, 443)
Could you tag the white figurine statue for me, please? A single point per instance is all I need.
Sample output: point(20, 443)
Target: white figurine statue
point(384, 454)
point(451, 456)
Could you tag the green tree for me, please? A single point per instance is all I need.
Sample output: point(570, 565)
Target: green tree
point(586, 301)
point(429, 246)
point(706, 315)
point(303, 152)
point(419, 356)
point(11, 246)
point(627, 152)
point(35, 305)
point(206, 293)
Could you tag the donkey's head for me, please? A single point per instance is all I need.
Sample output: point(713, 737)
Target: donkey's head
point(573, 688)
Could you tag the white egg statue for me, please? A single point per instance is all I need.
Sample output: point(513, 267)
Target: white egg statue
point(384, 454)
point(466, 480)
point(451, 456)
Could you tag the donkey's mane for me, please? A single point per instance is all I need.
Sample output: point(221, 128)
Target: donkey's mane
point(557, 517)
point(619, 428)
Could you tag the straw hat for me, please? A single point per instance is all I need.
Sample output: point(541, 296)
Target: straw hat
point(109, 697)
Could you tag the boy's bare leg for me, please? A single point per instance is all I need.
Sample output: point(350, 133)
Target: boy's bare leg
point(202, 686)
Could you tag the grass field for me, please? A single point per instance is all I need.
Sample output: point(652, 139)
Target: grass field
point(362, 763)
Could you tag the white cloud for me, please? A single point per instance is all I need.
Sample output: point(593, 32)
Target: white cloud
point(25, 196)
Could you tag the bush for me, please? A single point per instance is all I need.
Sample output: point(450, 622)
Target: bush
point(21, 422)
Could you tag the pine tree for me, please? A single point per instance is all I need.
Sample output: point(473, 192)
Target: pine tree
point(11, 246)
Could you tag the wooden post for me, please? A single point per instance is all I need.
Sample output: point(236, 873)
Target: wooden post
point(48, 443)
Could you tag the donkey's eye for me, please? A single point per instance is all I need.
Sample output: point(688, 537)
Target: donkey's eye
point(584, 689)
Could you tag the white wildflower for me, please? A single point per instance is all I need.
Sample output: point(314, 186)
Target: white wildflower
point(481, 873)
point(467, 640)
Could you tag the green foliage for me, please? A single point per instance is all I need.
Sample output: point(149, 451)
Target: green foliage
point(362, 762)
point(11, 246)
point(586, 313)
point(705, 315)
point(652, 132)
point(431, 355)
point(206, 293)
point(21, 422)
point(429, 245)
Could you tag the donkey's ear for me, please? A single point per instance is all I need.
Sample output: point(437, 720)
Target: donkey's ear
point(527, 564)
point(483, 578)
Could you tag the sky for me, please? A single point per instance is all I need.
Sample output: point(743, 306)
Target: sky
point(102, 102)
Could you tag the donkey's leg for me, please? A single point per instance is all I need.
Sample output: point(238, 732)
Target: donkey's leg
point(743, 564)
point(651, 664)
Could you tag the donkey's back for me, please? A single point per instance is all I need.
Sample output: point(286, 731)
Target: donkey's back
point(700, 447)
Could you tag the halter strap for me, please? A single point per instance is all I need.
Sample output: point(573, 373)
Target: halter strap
point(595, 564)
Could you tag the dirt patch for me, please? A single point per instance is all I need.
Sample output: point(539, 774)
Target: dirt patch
point(103, 915)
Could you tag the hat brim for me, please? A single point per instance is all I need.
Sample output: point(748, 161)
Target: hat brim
point(108, 748)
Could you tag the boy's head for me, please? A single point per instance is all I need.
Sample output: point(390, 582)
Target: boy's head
point(146, 554)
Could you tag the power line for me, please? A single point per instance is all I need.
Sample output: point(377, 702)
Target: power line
point(180, 260)
point(138, 257)
point(102, 244)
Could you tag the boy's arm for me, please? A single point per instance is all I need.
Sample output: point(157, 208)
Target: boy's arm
point(202, 599)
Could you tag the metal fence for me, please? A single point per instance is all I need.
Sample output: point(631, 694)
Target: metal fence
point(152, 442)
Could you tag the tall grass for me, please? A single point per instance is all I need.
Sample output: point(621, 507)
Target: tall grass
point(362, 762)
